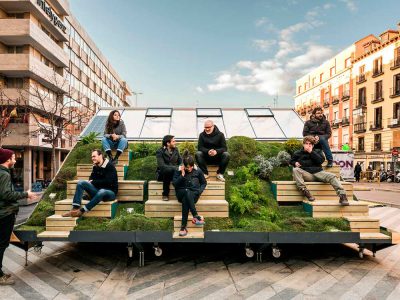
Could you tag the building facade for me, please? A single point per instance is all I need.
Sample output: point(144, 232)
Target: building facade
point(45, 53)
point(330, 87)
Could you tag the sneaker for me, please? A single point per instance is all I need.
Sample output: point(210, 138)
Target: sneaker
point(308, 195)
point(343, 200)
point(183, 232)
point(220, 177)
point(6, 280)
point(330, 164)
point(69, 214)
point(198, 220)
point(206, 176)
point(165, 198)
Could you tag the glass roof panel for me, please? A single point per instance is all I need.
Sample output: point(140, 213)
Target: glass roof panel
point(217, 121)
point(106, 111)
point(183, 124)
point(209, 112)
point(259, 112)
point(159, 112)
point(133, 120)
point(97, 125)
point(266, 127)
point(237, 123)
point(290, 122)
point(155, 127)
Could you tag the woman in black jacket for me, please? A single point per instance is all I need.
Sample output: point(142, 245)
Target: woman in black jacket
point(189, 183)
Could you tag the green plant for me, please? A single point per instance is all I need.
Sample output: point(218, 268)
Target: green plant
point(292, 145)
point(141, 150)
point(242, 150)
point(190, 146)
point(65, 174)
point(142, 168)
point(90, 138)
point(283, 158)
point(264, 167)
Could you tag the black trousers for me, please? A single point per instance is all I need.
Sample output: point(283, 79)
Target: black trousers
point(6, 228)
point(188, 199)
point(221, 160)
point(166, 177)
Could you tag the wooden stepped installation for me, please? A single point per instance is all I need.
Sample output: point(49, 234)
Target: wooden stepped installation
point(363, 224)
point(83, 171)
point(128, 190)
point(105, 209)
point(194, 231)
point(286, 191)
point(60, 223)
point(212, 173)
point(123, 159)
point(333, 209)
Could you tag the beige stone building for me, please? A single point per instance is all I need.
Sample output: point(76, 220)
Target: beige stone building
point(44, 48)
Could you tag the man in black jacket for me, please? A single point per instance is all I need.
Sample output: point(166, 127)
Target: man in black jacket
point(211, 149)
point(101, 186)
point(307, 165)
point(168, 161)
point(319, 127)
point(8, 207)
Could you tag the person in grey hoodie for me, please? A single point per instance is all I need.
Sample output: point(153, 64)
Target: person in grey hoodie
point(114, 136)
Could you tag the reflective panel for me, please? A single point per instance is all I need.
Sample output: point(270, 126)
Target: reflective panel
point(97, 125)
point(217, 121)
point(237, 123)
point(183, 124)
point(155, 127)
point(133, 122)
point(259, 112)
point(290, 122)
point(209, 112)
point(159, 112)
point(266, 127)
point(106, 111)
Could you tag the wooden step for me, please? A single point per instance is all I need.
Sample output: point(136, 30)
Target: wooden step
point(192, 227)
point(373, 236)
point(103, 209)
point(171, 208)
point(58, 220)
point(190, 235)
point(286, 191)
point(332, 209)
point(215, 190)
point(363, 224)
point(128, 190)
point(54, 234)
point(83, 171)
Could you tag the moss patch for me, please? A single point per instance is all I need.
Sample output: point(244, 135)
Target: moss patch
point(142, 169)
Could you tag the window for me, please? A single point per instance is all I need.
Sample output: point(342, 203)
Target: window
point(336, 115)
point(378, 90)
point(208, 112)
point(362, 70)
point(313, 81)
point(378, 117)
point(15, 49)
point(259, 112)
point(361, 97)
point(361, 144)
point(346, 112)
point(321, 76)
point(159, 112)
point(332, 71)
point(396, 110)
point(396, 84)
point(16, 16)
point(14, 83)
point(396, 57)
point(347, 62)
point(299, 90)
point(378, 66)
point(377, 142)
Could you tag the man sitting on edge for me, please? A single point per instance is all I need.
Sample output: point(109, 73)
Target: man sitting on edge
point(101, 186)
point(168, 161)
point(212, 150)
point(319, 127)
point(307, 167)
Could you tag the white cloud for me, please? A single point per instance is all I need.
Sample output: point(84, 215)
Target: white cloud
point(264, 45)
point(261, 21)
point(199, 89)
point(350, 4)
point(314, 53)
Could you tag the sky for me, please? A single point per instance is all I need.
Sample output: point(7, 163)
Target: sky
point(225, 53)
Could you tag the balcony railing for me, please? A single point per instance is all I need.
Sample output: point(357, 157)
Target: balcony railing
point(360, 127)
point(376, 125)
point(360, 148)
point(326, 103)
point(361, 78)
point(346, 95)
point(376, 146)
point(335, 100)
point(395, 63)
point(394, 122)
point(361, 103)
point(335, 123)
point(377, 97)
point(377, 72)
point(395, 92)
point(345, 121)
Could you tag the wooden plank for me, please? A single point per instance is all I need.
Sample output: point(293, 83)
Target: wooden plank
point(214, 185)
point(178, 208)
point(190, 235)
point(171, 214)
point(130, 199)
point(190, 229)
point(102, 214)
point(364, 225)
point(337, 214)
point(173, 197)
point(340, 209)
point(67, 207)
point(314, 193)
point(365, 229)
point(59, 228)
point(205, 193)
point(299, 198)
point(54, 234)
point(373, 236)
point(361, 219)
point(69, 201)
point(311, 183)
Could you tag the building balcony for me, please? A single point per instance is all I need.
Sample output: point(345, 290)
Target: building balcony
point(335, 100)
point(395, 63)
point(26, 65)
point(375, 126)
point(394, 92)
point(394, 122)
point(360, 148)
point(360, 127)
point(361, 78)
point(361, 103)
point(24, 31)
point(326, 104)
point(335, 123)
point(376, 146)
point(345, 121)
point(377, 72)
point(377, 97)
point(346, 95)
point(61, 6)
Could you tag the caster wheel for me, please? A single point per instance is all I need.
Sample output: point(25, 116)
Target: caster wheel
point(276, 252)
point(130, 252)
point(361, 254)
point(249, 253)
point(38, 249)
point(157, 251)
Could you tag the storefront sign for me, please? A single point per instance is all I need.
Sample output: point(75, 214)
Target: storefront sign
point(346, 162)
point(53, 17)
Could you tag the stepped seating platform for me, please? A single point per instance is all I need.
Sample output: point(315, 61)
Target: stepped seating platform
point(194, 231)
point(60, 223)
point(106, 209)
point(363, 224)
point(128, 190)
point(83, 171)
point(212, 173)
point(286, 191)
point(333, 209)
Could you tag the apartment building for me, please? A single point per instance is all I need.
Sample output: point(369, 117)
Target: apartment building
point(329, 86)
point(376, 79)
point(44, 48)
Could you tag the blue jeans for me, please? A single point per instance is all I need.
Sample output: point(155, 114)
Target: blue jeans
point(95, 194)
point(120, 145)
point(325, 147)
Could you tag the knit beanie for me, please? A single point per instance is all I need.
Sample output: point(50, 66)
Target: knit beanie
point(5, 154)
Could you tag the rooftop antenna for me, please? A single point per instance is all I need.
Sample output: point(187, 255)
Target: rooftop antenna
point(276, 100)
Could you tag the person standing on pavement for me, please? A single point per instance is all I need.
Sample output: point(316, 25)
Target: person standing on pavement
point(8, 207)
point(307, 164)
point(357, 171)
point(212, 149)
point(319, 127)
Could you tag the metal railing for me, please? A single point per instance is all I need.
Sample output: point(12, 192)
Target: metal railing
point(346, 95)
point(345, 121)
point(326, 104)
point(395, 63)
point(377, 97)
point(376, 146)
point(376, 125)
point(361, 103)
point(360, 127)
point(393, 122)
point(361, 78)
point(377, 71)
point(335, 100)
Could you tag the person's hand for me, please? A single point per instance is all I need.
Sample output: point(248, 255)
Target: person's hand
point(182, 170)
point(212, 152)
point(297, 164)
point(90, 181)
point(33, 196)
point(114, 136)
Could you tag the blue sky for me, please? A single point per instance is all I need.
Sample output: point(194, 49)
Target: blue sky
point(225, 53)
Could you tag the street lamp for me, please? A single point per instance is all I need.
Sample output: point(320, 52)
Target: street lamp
point(136, 94)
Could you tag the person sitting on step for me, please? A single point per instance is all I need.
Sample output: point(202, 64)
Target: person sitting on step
point(189, 183)
point(101, 186)
point(212, 150)
point(114, 136)
point(318, 126)
point(168, 161)
point(307, 164)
